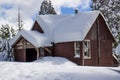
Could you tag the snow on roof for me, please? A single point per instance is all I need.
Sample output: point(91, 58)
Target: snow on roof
point(34, 37)
point(118, 49)
point(64, 28)
point(61, 28)
point(76, 28)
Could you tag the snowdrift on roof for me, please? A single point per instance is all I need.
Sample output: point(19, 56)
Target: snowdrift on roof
point(61, 28)
point(64, 28)
point(34, 37)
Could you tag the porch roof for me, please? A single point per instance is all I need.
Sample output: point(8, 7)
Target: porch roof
point(34, 37)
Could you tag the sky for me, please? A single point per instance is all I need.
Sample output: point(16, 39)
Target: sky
point(29, 10)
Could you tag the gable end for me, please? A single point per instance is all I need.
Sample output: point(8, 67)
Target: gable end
point(102, 24)
point(37, 27)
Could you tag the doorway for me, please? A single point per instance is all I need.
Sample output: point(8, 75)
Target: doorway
point(31, 55)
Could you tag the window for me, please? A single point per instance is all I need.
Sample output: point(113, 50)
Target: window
point(77, 49)
point(86, 49)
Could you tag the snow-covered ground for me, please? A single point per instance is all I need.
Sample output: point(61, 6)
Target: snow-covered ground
point(55, 69)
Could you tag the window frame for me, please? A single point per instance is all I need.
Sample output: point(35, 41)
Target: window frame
point(88, 49)
point(77, 55)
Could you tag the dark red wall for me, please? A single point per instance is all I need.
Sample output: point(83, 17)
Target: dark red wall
point(101, 40)
point(67, 50)
point(92, 36)
point(20, 55)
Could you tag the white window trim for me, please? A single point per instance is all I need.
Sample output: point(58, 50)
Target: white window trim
point(76, 54)
point(86, 57)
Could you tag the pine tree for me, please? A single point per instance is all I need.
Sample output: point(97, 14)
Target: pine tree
point(6, 33)
point(111, 11)
point(20, 21)
point(46, 8)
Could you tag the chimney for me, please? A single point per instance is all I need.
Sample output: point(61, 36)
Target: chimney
point(76, 11)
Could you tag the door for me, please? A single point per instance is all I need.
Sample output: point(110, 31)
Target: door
point(31, 55)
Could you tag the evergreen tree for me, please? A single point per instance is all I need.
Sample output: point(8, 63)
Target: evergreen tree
point(46, 8)
point(6, 33)
point(20, 21)
point(111, 11)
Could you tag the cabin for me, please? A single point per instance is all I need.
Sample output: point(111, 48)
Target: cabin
point(83, 38)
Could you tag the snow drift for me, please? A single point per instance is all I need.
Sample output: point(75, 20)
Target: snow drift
point(55, 68)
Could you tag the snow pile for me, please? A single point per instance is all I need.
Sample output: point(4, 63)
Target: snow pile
point(55, 61)
point(55, 69)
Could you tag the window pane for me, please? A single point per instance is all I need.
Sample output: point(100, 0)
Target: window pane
point(77, 49)
point(86, 49)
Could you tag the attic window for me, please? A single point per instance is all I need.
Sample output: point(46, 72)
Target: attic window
point(77, 49)
point(86, 49)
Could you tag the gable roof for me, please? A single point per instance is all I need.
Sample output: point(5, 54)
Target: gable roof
point(60, 28)
point(64, 28)
point(34, 37)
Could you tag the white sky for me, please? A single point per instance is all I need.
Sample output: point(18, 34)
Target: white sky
point(29, 9)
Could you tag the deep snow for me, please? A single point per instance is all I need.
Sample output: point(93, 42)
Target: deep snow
point(55, 68)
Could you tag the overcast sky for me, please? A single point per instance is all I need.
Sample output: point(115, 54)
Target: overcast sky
point(30, 8)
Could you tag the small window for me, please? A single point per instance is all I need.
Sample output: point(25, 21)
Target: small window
point(77, 49)
point(86, 49)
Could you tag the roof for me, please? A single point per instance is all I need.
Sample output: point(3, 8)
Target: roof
point(34, 37)
point(61, 28)
point(118, 49)
point(64, 28)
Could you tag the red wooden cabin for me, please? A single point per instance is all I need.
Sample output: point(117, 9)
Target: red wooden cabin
point(83, 38)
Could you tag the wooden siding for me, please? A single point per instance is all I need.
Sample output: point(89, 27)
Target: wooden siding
point(106, 53)
point(23, 49)
point(92, 36)
point(101, 44)
point(19, 55)
point(23, 44)
point(67, 50)
point(37, 27)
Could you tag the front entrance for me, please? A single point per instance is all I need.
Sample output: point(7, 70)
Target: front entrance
point(31, 55)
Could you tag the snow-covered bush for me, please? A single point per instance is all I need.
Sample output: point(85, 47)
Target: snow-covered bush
point(6, 51)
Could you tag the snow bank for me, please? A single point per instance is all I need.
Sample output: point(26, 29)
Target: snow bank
point(55, 69)
point(55, 61)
